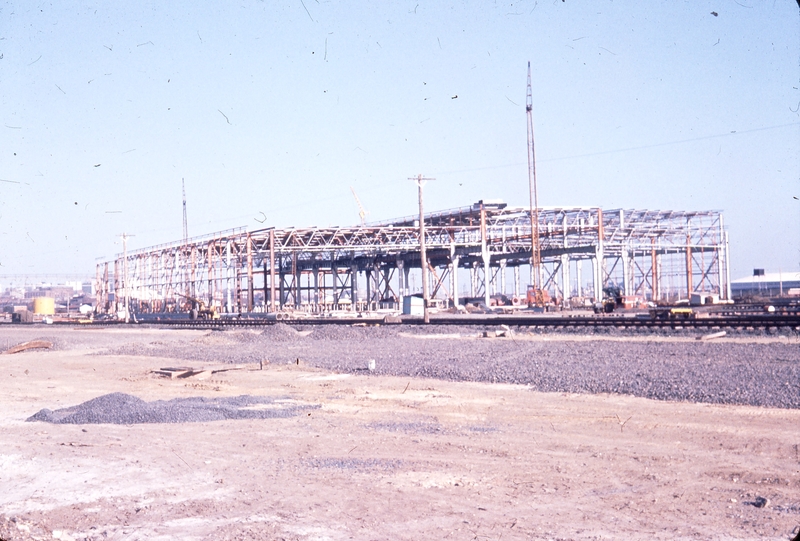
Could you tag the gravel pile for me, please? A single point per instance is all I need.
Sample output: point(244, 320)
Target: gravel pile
point(409, 428)
point(124, 409)
point(354, 464)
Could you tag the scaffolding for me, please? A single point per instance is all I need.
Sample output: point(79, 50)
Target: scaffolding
point(657, 255)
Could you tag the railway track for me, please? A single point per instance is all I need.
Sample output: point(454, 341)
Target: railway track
point(754, 321)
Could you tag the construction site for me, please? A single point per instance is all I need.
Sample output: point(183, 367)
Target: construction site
point(484, 372)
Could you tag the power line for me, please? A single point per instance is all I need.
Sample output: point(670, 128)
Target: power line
point(628, 149)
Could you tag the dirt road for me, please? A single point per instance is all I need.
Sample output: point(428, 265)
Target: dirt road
point(381, 457)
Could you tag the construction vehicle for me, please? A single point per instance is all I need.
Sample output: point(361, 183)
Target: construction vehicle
point(537, 298)
point(199, 309)
point(683, 312)
point(612, 298)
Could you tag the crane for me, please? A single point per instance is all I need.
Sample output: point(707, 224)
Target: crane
point(185, 234)
point(536, 295)
point(361, 212)
point(185, 221)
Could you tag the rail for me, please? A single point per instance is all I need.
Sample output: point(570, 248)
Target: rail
point(754, 321)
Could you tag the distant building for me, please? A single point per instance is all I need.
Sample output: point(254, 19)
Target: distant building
point(762, 284)
point(59, 293)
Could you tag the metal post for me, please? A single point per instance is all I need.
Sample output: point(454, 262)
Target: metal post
point(163, 280)
point(335, 285)
point(368, 278)
point(98, 292)
point(728, 294)
point(722, 259)
point(228, 307)
point(272, 307)
point(654, 270)
point(600, 258)
point(296, 273)
point(210, 257)
point(281, 288)
point(117, 286)
point(317, 302)
point(250, 292)
point(402, 280)
point(238, 287)
point(266, 286)
point(487, 273)
point(626, 272)
point(566, 285)
point(454, 274)
point(193, 273)
point(473, 279)
point(406, 272)
point(353, 285)
point(502, 271)
point(689, 285)
point(125, 274)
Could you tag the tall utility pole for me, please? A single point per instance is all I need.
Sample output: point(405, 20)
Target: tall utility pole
point(536, 258)
point(185, 221)
point(185, 239)
point(420, 180)
point(124, 237)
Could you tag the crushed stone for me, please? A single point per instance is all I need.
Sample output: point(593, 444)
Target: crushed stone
point(124, 409)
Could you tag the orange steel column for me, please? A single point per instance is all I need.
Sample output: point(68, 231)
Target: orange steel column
point(688, 265)
point(210, 263)
point(654, 269)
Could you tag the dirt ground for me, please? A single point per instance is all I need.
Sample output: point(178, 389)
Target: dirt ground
point(383, 458)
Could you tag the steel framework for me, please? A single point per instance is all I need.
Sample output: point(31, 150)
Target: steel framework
point(658, 255)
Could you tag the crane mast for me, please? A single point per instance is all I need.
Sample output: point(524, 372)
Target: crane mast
point(185, 238)
point(536, 258)
point(361, 212)
point(185, 221)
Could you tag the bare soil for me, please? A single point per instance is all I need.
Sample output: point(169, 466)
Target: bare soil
point(377, 456)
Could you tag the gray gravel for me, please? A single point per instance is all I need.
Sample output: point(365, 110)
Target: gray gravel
point(758, 374)
point(124, 409)
point(354, 464)
point(408, 428)
point(718, 372)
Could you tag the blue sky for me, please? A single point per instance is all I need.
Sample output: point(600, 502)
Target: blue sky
point(279, 107)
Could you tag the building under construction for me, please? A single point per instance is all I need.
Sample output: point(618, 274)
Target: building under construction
point(472, 252)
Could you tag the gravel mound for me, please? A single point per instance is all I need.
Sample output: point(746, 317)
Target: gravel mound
point(354, 464)
point(124, 409)
point(280, 332)
point(408, 428)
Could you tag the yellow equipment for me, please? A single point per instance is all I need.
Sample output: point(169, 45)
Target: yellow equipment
point(673, 313)
point(199, 309)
